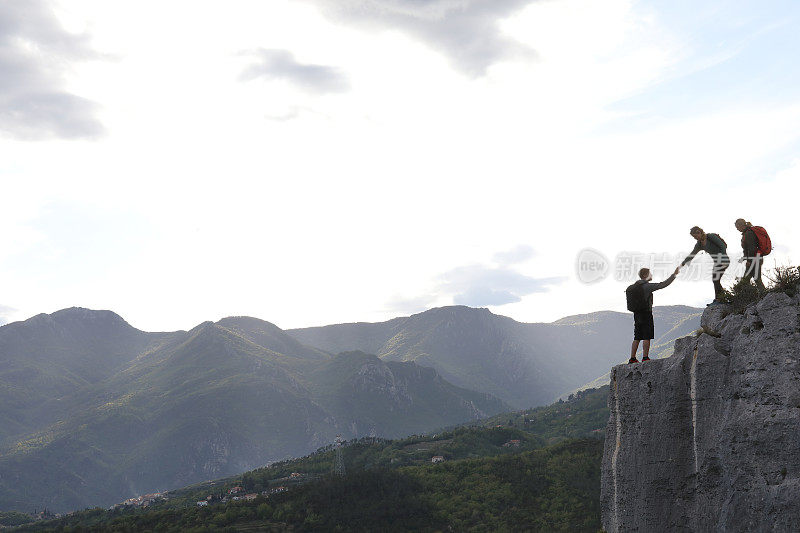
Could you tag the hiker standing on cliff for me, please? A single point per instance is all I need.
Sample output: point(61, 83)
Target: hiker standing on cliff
point(716, 247)
point(640, 301)
point(755, 245)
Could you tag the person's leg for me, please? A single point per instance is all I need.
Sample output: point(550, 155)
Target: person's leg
point(757, 262)
point(634, 349)
point(716, 277)
point(749, 267)
point(649, 332)
point(717, 289)
point(760, 285)
point(638, 334)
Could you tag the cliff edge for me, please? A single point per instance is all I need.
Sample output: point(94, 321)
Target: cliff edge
point(709, 438)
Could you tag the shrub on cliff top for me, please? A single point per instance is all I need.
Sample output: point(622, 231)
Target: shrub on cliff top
point(744, 293)
point(785, 279)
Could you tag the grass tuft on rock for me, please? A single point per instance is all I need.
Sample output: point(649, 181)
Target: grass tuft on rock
point(744, 293)
point(741, 295)
point(785, 279)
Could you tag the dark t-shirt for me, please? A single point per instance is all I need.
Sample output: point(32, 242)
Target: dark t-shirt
point(649, 287)
point(749, 242)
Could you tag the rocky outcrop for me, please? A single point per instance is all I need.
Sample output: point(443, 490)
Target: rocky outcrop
point(709, 438)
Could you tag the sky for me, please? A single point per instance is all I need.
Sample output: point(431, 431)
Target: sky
point(310, 162)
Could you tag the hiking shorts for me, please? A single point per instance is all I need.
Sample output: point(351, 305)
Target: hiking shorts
point(643, 327)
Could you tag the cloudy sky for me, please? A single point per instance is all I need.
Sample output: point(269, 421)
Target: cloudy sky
point(318, 161)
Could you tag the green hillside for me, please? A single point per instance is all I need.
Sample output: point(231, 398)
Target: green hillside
point(49, 357)
point(584, 414)
point(202, 404)
point(497, 475)
point(105, 412)
point(550, 489)
point(364, 389)
point(214, 404)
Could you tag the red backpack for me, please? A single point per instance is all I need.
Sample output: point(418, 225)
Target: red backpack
point(764, 246)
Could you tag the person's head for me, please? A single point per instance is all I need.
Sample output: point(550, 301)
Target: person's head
point(644, 273)
point(697, 232)
point(742, 224)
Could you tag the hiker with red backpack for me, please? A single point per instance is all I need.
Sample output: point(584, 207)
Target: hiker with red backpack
point(755, 245)
point(640, 301)
point(715, 246)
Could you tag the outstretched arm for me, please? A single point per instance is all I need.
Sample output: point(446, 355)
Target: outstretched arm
point(665, 283)
point(695, 251)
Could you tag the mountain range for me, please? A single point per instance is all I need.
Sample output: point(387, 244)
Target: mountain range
point(95, 411)
point(522, 363)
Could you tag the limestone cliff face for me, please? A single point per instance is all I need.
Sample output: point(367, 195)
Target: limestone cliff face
point(709, 438)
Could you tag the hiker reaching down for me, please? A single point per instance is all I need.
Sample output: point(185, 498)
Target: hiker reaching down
point(640, 301)
point(715, 246)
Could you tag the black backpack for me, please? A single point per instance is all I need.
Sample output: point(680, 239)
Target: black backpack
point(637, 301)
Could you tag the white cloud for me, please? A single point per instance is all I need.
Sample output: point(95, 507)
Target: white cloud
point(481, 285)
point(282, 65)
point(35, 54)
point(467, 31)
point(307, 207)
point(518, 254)
point(6, 314)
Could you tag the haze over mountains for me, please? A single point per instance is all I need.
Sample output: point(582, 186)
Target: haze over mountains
point(95, 411)
point(523, 364)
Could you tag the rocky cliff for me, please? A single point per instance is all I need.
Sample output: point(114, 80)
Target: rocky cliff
point(709, 438)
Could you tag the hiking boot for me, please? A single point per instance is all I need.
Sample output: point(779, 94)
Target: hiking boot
point(632, 360)
point(645, 358)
